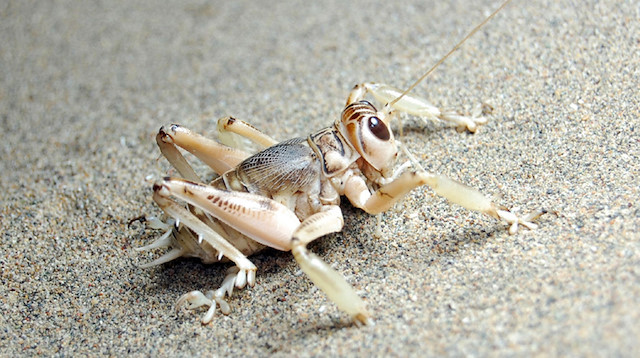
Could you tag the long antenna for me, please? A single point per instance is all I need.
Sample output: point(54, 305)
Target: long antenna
point(475, 29)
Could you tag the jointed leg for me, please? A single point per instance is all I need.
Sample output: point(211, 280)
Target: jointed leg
point(218, 156)
point(229, 125)
point(239, 276)
point(263, 220)
point(414, 105)
point(458, 193)
point(195, 299)
point(330, 281)
point(203, 231)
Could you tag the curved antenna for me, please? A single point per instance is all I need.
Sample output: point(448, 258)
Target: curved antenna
point(457, 46)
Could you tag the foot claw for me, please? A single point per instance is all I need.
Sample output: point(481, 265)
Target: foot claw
point(514, 221)
point(195, 299)
point(465, 123)
point(241, 279)
point(192, 300)
point(251, 278)
point(224, 306)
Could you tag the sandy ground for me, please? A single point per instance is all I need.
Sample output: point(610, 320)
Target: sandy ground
point(84, 87)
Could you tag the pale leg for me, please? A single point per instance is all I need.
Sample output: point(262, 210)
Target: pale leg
point(330, 281)
point(255, 216)
point(243, 273)
point(414, 105)
point(470, 198)
point(219, 157)
point(265, 221)
point(230, 125)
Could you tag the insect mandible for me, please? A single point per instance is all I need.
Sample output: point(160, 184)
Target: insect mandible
point(288, 194)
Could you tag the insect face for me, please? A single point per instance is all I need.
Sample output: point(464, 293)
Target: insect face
point(370, 135)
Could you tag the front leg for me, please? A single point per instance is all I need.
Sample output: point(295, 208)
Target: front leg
point(385, 197)
point(415, 105)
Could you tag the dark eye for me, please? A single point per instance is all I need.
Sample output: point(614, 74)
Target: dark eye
point(378, 128)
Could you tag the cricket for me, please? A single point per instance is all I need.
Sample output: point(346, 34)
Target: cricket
point(288, 194)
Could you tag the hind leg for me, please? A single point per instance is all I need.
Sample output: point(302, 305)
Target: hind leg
point(213, 236)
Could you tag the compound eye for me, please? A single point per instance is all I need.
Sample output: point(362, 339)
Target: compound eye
point(378, 128)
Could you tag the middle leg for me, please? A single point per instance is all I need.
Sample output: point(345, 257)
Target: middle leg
point(326, 278)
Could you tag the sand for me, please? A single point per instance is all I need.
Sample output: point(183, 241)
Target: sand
point(84, 87)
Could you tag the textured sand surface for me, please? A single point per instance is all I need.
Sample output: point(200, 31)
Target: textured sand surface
point(84, 87)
